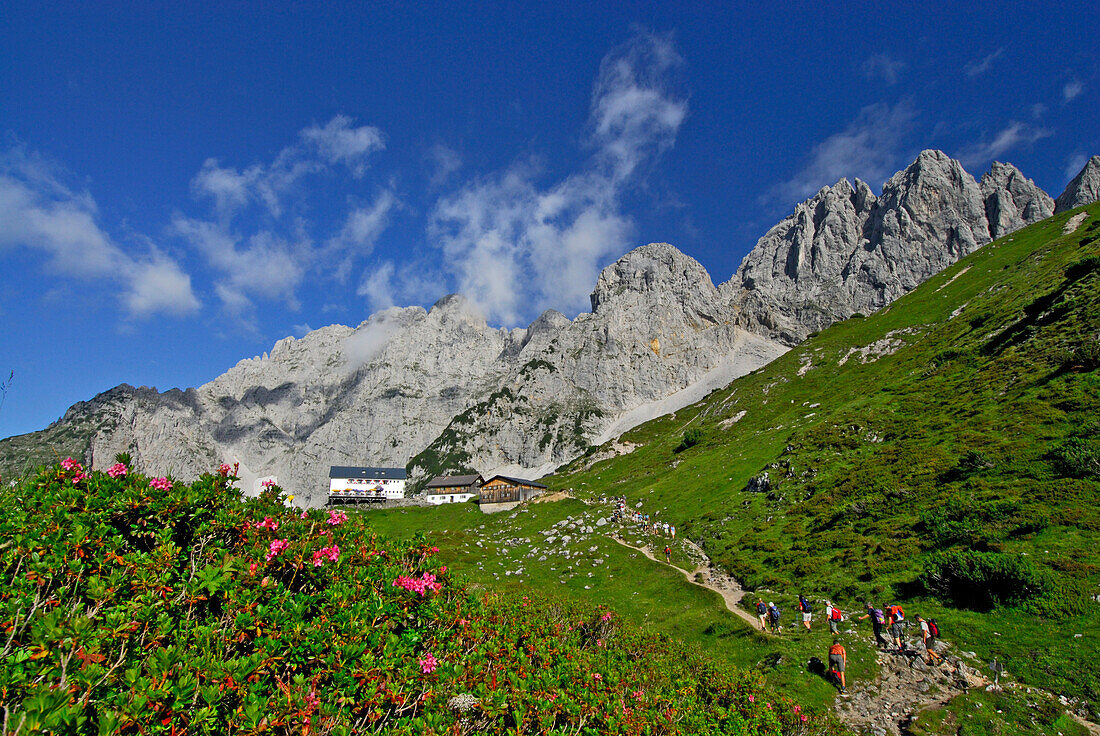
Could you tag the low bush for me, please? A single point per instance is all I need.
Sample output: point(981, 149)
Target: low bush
point(981, 581)
point(691, 438)
point(1077, 457)
point(132, 605)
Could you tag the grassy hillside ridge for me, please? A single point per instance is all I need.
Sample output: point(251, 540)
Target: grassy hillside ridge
point(945, 444)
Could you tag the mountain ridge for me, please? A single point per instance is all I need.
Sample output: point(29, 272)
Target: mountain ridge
point(445, 389)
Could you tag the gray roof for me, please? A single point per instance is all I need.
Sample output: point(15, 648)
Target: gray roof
point(446, 481)
point(346, 471)
point(517, 481)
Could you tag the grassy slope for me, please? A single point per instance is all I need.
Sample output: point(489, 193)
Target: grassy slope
point(986, 376)
point(991, 362)
point(647, 593)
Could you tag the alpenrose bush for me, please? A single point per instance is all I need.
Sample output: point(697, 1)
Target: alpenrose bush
point(133, 605)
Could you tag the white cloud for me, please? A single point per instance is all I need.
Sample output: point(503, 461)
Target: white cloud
point(39, 212)
point(364, 225)
point(981, 66)
point(263, 266)
point(377, 287)
point(635, 114)
point(1076, 162)
point(870, 148)
point(336, 142)
point(301, 330)
point(339, 143)
point(1072, 89)
point(515, 247)
point(159, 286)
point(368, 342)
point(1013, 135)
point(881, 66)
point(443, 162)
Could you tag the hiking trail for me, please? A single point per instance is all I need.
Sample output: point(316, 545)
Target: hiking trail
point(710, 578)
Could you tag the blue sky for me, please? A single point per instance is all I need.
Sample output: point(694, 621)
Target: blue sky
point(182, 185)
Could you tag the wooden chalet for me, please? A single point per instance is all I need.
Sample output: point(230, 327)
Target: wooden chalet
point(502, 489)
point(452, 488)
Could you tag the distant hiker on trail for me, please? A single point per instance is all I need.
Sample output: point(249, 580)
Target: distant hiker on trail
point(838, 658)
point(834, 615)
point(929, 631)
point(762, 612)
point(773, 618)
point(897, 626)
point(673, 530)
point(807, 610)
point(668, 554)
point(878, 618)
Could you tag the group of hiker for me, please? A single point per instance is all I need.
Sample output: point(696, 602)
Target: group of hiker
point(884, 619)
point(642, 521)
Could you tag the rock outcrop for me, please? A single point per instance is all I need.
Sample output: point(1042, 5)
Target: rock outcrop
point(845, 251)
point(440, 390)
point(1083, 189)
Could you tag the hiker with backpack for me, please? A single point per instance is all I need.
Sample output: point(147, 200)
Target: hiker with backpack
point(668, 554)
point(762, 613)
point(897, 626)
point(838, 659)
point(773, 618)
point(834, 615)
point(807, 610)
point(930, 631)
point(878, 619)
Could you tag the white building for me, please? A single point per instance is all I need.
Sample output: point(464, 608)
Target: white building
point(370, 485)
point(452, 489)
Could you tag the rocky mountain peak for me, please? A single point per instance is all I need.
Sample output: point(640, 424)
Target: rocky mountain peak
point(657, 270)
point(1012, 200)
point(1084, 189)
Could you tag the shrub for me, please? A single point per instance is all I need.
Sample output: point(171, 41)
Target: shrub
point(983, 580)
point(691, 438)
point(146, 606)
point(1077, 457)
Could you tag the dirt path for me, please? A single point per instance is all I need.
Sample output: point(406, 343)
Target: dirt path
point(712, 579)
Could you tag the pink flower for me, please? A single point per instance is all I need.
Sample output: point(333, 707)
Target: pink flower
point(81, 475)
point(639, 694)
point(428, 663)
point(117, 470)
point(330, 553)
point(804, 719)
point(444, 569)
point(597, 676)
point(419, 585)
point(752, 698)
point(336, 518)
point(606, 616)
point(276, 548)
point(303, 515)
point(267, 483)
point(252, 569)
point(224, 469)
point(312, 701)
point(798, 709)
point(161, 484)
point(70, 464)
point(267, 523)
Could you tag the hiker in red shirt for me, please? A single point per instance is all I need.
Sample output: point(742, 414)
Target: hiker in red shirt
point(838, 658)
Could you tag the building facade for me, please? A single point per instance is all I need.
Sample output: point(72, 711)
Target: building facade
point(452, 488)
point(502, 489)
point(365, 485)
